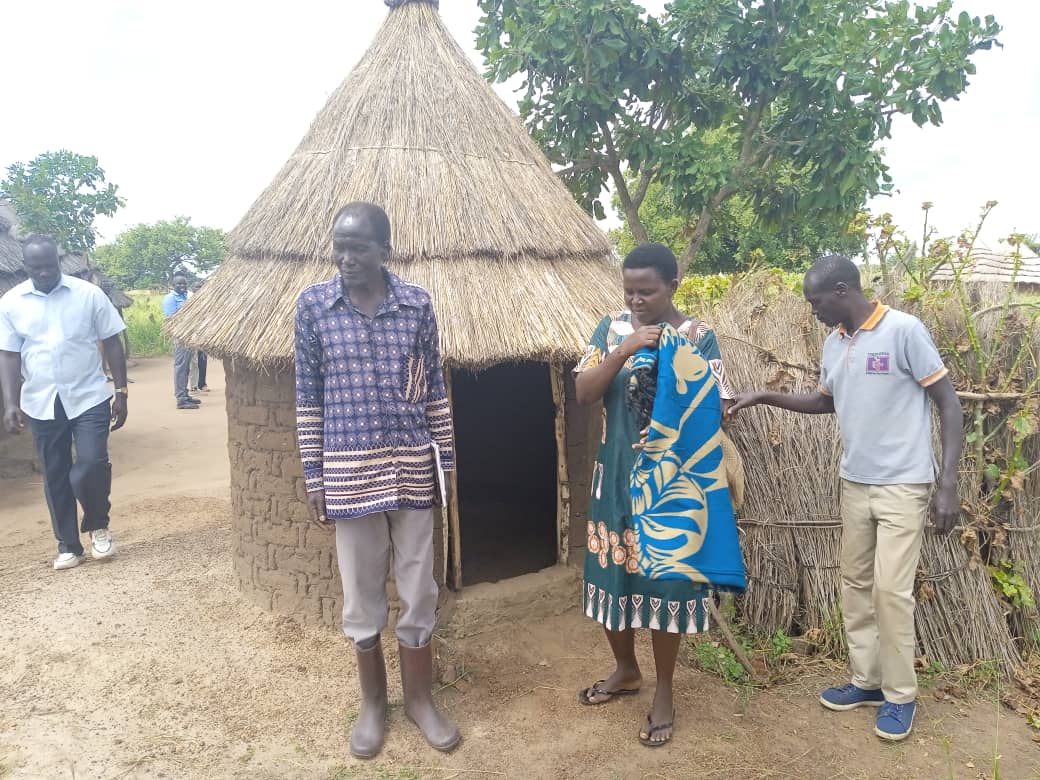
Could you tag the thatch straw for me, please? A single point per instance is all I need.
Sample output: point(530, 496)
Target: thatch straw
point(516, 268)
point(489, 312)
point(959, 619)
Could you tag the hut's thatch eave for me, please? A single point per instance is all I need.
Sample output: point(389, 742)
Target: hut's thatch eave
point(516, 268)
point(488, 311)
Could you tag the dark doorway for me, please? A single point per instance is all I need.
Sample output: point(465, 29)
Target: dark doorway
point(506, 449)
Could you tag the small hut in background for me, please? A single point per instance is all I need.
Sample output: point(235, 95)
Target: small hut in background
point(1021, 267)
point(519, 276)
point(11, 237)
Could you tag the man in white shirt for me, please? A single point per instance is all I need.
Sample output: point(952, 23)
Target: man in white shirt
point(51, 374)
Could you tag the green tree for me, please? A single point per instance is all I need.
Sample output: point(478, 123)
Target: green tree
point(149, 255)
point(714, 97)
point(61, 193)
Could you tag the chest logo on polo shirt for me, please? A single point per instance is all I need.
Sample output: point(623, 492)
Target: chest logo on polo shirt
point(879, 363)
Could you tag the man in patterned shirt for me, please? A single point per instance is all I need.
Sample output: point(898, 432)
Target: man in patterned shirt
point(373, 421)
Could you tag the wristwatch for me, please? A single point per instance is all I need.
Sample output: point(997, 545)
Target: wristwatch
point(122, 391)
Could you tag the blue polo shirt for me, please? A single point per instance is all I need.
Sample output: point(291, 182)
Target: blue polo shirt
point(878, 377)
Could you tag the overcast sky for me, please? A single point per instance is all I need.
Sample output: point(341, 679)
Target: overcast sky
point(192, 107)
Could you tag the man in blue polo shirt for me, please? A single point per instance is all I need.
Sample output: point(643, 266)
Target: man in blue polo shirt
point(182, 353)
point(880, 373)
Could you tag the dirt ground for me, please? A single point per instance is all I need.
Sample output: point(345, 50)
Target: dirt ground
point(150, 665)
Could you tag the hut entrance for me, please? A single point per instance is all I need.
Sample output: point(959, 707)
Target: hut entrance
point(504, 438)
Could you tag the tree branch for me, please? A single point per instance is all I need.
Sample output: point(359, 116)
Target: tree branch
point(700, 232)
point(592, 161)
point(629, 206)
point(645, 178)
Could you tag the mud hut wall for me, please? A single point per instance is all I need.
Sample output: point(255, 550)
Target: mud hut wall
point(281, 562)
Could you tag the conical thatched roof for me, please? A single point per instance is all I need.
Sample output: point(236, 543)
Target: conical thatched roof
point(989, 266)
point(516, 269)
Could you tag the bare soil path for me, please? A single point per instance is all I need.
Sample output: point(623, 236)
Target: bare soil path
point(151, 666)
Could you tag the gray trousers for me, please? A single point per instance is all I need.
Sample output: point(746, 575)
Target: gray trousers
point(363, 547)
point(182, 356)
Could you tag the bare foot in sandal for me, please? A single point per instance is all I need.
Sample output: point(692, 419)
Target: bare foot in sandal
point(623, 682)
point(658, 726)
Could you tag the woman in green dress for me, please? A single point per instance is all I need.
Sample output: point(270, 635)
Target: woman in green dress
point(615, 592)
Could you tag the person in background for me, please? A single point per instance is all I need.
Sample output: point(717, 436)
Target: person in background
point(50, 373)
point(371, 467)
point(182, 353)
point(880, 373)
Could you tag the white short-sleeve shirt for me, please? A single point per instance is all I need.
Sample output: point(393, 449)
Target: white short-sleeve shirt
point(57, 335)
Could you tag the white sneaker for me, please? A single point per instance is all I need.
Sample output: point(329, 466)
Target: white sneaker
point(102, 544)
point(67, 561)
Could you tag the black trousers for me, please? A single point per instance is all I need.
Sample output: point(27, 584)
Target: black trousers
point(203, 361)
point(88, 479)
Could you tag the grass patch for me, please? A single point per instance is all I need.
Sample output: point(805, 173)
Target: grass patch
point(144, 321)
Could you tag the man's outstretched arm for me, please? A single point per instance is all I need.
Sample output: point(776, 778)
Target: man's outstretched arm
point(804, 403)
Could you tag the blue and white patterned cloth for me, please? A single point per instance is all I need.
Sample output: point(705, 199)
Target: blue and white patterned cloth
point(370, 399)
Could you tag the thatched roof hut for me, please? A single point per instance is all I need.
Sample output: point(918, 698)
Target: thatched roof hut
point(11, 237)
point(1022, 267)
point(519, 276)
point(479, 218)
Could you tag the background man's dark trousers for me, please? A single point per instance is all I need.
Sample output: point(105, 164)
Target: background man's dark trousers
point(88, 479)
point(182, 357)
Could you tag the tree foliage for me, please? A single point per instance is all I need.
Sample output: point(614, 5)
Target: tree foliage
point(150, 255)
point(714, 98)
point(738, 240)
point(60, 194)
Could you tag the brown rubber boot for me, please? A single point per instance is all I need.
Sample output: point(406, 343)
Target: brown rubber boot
point(417, 679)
point(366, 740)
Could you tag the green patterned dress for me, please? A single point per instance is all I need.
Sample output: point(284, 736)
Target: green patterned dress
point(614, 592)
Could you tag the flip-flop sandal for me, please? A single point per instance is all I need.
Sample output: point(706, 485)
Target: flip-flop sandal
point(585, 694)
point(652, 729)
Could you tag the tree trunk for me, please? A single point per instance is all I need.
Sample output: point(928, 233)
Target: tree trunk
point(700, 232)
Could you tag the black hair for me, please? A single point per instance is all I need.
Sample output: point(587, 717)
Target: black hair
point(656, 256)
point(39, 239)
point(828, 271)
point(375, 215)
point(640, 394)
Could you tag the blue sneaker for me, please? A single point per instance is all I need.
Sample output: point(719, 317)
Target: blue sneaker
point(894, 721)
point(849, 697)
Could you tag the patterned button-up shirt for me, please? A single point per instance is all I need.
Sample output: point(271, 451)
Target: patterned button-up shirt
point(370, 398)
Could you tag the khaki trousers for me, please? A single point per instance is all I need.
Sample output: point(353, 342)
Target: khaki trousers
point(883, 527)
point(363, 548)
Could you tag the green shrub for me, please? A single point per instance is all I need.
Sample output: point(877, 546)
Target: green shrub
point(144, 321)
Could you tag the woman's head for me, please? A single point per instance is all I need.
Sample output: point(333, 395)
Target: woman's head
point(650, 277)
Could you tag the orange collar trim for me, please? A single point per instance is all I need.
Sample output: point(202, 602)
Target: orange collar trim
point(880, 310)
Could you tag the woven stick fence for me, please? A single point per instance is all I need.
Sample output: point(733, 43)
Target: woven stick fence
point(791, 527)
